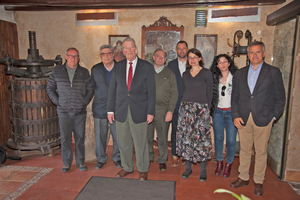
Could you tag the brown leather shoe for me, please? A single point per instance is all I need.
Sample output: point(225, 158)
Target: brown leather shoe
point(123, 173)
point(143, 176)
point(219, 168)
point(227, 170)
point(162, 167)
point(258, 189)
point(238, 183)
point(175, 161)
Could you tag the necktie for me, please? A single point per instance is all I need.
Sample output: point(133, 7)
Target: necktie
point(129, 76)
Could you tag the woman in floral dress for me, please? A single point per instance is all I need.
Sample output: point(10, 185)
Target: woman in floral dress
point(193, 139)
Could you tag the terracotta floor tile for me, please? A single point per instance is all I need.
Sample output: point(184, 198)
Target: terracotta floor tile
point(22, 176)
point(3, 196)
point(7, 187)
point(4, 174)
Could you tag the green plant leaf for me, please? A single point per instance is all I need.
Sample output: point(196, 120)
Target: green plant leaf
point(227, 191)
point(244, 197)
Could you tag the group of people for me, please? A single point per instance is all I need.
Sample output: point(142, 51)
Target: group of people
point(134, 98)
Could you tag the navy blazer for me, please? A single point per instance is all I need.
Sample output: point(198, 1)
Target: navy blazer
point(101, 91)
point(141, 96)
point(267, 100)
point(173, 65)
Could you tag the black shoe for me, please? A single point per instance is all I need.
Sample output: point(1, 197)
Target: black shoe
point(118, 164)
point(66, 168)
point(82, 167)
point(186, 174)
point(203, 178)
point(99, 165)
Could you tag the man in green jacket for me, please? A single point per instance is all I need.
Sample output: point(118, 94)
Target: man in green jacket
point(166, 99)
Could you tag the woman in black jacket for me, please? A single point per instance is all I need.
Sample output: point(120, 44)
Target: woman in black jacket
point(223, 70)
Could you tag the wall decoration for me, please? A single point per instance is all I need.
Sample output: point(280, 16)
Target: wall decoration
point(207, 44)
point(116, 42)
point(162, 34)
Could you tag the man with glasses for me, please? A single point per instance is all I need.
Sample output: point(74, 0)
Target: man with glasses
point(178, 66)
point(166, 99)
point(101, 74)
point(71, 88)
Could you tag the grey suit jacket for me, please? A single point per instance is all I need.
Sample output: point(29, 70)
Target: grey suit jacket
point(267, 100)
point(141, 96)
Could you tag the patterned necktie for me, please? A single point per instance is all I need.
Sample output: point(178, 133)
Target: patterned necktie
point(129, 76)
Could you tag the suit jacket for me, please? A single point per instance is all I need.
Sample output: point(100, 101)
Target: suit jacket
point(101, 91)
point(267, 100)
point(141, 96)
point(173, 65)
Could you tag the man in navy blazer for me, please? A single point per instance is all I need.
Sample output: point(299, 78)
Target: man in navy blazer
point(133, 108)
point(178, 66)
point(258, 98)
point(101, 75)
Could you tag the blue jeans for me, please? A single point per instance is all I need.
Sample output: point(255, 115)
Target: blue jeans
point(223, 119)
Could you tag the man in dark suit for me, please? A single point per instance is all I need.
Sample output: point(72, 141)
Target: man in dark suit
point(131, 102)
point(258, 98)
point(101, 74)
point(178, 66)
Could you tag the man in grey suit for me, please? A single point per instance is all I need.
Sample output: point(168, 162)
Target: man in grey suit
point(178, 66)
point(258, 98)
point(131, 102)
point(101, 74)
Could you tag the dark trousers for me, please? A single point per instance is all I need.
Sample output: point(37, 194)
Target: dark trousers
point(67, 125)
point(173, 133)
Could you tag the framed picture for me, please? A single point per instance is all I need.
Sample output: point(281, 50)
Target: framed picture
point(161, 35)
point(207, 44)
point(116, 42)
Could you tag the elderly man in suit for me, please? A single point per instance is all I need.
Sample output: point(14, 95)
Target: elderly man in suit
point(258, 98)
point(131, 102)
point(178, 66)
point(101, 75)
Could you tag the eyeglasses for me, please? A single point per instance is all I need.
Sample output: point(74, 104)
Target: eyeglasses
point(223, 91)
point(73, 56)
point(103, 54)
point(193, 58)
point(158, 56)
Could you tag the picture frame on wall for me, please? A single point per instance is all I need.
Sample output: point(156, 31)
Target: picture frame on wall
point(116, 41)
point(207, 45)
point(161, 35)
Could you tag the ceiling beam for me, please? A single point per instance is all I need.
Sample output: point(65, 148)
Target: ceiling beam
point(61, 5)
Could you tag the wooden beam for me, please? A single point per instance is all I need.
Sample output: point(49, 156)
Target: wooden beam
point(61, 5)
point(285, 13)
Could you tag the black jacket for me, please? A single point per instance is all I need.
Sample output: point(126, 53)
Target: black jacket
point(70, 98)
point(101, 91)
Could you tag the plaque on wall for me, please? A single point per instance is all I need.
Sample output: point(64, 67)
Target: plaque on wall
point(161, 35)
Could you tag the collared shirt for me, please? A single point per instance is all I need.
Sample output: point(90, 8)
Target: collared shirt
point(71, 73)
point(134, 62)
point(158, 70)
point(253, 76)
point(182, 66)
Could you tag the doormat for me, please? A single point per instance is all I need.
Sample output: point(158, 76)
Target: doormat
point(15, 180)
point(125, 189)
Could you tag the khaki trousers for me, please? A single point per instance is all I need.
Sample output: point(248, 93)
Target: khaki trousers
point(259, 137)
point(131, 135)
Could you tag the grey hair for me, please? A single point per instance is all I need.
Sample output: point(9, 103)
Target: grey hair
point(256, 43)
point(72, 48)
point(129, 39)
point(106, 47)
point(160, 50)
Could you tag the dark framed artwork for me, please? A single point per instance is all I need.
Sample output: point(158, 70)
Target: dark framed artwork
point(116, 42)
point(161, 35)
point(207, 44)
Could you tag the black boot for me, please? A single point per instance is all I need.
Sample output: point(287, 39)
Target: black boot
point(188, 170)
point(203, 175)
